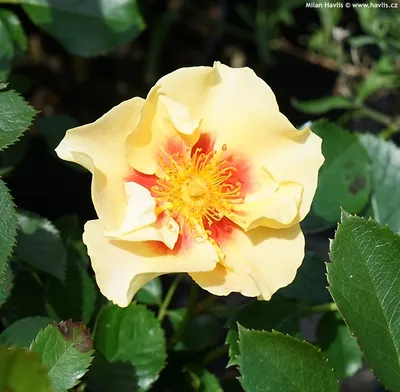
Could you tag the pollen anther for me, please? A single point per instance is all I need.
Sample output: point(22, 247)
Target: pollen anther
point(197, 191)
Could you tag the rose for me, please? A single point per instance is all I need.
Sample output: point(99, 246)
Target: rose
point(205, 176)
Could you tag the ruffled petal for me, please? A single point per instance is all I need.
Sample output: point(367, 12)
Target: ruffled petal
point(166, 126)
point(241, 112)
point(100, 148)
point(165, 229)
point(123, 267)
point(272, 205)
point(258, 262)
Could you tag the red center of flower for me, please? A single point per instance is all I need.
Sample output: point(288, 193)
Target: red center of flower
point(199, 189)
point(196, 191)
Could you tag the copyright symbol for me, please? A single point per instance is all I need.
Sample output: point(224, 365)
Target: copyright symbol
point(347, 5)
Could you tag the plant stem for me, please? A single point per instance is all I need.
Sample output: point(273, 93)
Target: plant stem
point(392, 130)
point(204, 305)
point(329, 307)
point(164, 306)
point(193, 297)
point(377, 116)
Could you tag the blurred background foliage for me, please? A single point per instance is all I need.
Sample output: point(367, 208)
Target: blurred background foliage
point(74, 60)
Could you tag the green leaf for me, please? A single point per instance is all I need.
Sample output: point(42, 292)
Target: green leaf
point(6, 285)
point(339, 346)
point(66, 352)
point(364, 279)
point(76, 297)
point(22, 332)
point(7, 49)
point(150, 293)
point(202, 380)
point(8, 226)
point(12, 40)
point(275, 314)
point(39, 244)
point(202, 331)
point(105, 376)
point(119, 336)
point(310, 282)
point(271, 362)
point(26, 299)
point(345, 178)
point(98, 26)
point(14, 27)
point(15, 117)
point(385, 159)
point(313, 224)
point(20, 370)
point(375, 82)
point(324, 105)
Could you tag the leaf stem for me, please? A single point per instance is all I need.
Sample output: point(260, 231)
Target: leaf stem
point(167, 300)
point(193, 297)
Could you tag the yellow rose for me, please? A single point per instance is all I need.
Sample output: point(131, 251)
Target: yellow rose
point(205, 176)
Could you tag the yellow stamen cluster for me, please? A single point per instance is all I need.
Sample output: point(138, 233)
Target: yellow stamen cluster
point(196, 190)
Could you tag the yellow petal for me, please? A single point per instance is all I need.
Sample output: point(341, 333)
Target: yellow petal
point(244, 122)
point(165, 230)
point(100, 148)
point(258, 262)
point(139, 212)
point(272, 205)
point(123, 267)
point(240, 110)
point(213, 89)
point(165, 126)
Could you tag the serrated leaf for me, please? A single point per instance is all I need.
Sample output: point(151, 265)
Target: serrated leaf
point(76, 297)
point(6, 284)
point(150, 293)
point(39, 244)
point(364, 279)
point(119, 337)
point(324, 105)
point(385, 160)
point(271, 362)
point(275, 314)
point(22, 332)
point(66, 352)
point(345, 178)
point(20, 370)
point(99, 27)
point(8, 226)
point(310, 282)
point(15, 117)
point(339, 346)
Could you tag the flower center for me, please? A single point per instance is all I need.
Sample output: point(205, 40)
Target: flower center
point(197, 191)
